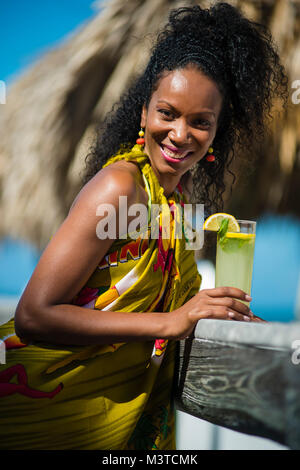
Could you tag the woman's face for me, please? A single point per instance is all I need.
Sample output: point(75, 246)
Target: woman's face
point(180, 123)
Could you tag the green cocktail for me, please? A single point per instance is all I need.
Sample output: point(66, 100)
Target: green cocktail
point(234, 260)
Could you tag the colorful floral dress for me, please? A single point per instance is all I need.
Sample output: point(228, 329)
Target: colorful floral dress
point(116, 396)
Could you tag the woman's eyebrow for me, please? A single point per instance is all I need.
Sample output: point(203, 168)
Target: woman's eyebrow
point(204, 111)
point(166, 102)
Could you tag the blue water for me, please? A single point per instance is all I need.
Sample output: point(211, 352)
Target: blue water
point(17, 262)
point(276, 272)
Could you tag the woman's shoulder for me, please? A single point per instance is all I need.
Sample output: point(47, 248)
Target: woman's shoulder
point(120, 178)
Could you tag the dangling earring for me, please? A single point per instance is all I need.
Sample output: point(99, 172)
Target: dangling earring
point(210, 157)
point(141, 141)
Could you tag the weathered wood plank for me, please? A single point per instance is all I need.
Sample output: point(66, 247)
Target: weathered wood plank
point(250, 385)
point(274, 334)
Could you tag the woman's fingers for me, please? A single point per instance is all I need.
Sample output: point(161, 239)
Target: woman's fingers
point(258, 319)
point(232, 304)
point(228, 292)
point(238, 316)
point(222, 313)
point(227, 303)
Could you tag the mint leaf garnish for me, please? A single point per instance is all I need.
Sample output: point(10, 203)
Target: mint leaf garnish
point(222, 231)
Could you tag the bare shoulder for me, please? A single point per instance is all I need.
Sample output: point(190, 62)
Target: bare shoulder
point(76, 249)
point(118, 179)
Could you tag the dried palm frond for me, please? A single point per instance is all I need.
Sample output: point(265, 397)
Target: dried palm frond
point(53, 108)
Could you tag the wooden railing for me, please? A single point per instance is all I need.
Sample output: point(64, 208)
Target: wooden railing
point(243, 376)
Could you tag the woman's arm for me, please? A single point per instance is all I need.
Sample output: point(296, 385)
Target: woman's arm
point(45, 312)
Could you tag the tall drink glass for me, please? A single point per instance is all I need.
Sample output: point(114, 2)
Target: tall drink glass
point(234, 260)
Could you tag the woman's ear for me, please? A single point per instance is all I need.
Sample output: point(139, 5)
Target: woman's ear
point(144, 117)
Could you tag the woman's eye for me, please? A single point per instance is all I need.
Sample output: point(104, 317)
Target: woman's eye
point(165, 113)
point(202, 123)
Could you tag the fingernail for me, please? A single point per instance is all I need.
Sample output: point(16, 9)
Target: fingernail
point(246, 318)
point(231, 314)
point(247, 297)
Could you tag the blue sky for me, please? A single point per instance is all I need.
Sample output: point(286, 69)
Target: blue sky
point(30, 27)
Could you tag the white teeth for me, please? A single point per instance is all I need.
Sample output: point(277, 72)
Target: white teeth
point(174, 155)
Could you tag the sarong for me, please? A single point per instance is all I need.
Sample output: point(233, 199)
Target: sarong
point(115, 396)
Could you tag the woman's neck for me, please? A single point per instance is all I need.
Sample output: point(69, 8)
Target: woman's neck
point(168, 183)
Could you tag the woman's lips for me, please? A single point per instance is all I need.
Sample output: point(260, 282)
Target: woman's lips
point(166, 152)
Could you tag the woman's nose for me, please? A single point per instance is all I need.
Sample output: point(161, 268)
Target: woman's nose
point(180, 132)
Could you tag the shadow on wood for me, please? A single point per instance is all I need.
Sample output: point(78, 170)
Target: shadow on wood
point(245, 377)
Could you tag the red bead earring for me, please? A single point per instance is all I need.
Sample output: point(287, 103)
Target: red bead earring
point(141, 140)
point(210, 157)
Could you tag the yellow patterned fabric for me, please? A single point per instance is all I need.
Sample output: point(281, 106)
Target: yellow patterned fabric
point(116, 396)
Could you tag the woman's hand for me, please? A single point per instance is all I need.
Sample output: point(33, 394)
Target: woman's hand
point(223, 303)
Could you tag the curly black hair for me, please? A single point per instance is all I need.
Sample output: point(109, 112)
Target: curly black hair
point(239, 55)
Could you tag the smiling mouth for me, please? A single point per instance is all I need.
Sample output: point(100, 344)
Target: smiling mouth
point(173, 156)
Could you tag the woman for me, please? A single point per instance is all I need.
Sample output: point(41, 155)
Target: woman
point(94, 341)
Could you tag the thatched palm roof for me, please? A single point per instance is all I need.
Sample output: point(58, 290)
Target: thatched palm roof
point(49, 118)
